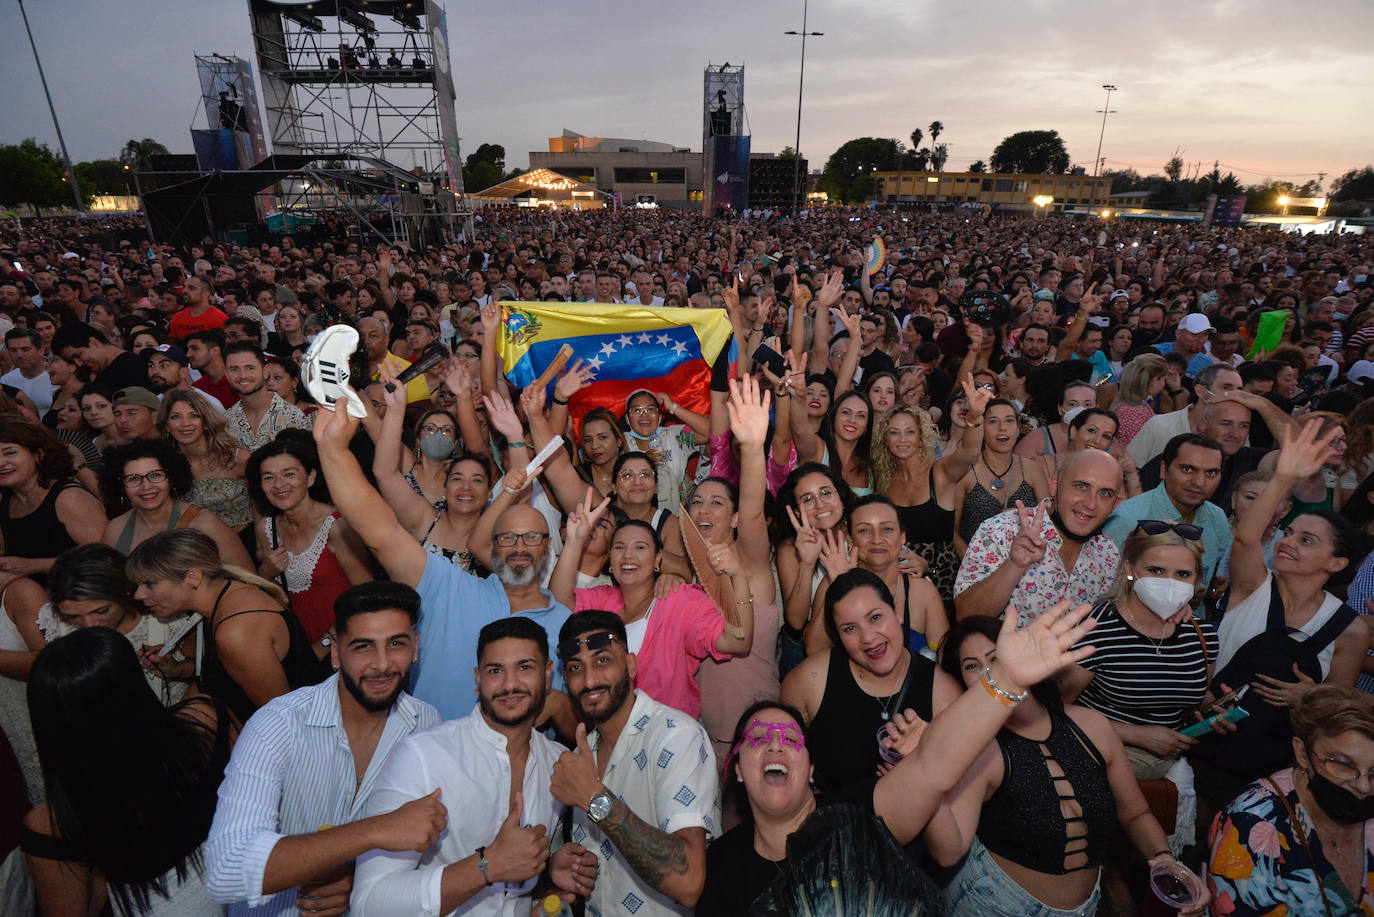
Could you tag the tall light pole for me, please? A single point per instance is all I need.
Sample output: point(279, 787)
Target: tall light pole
point(71, 173)
point(1106, 110)
point(801, 82)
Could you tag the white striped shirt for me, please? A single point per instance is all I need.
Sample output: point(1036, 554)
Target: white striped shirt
point(292, 773)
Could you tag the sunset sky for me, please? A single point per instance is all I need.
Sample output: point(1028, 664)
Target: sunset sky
point(1278, 90)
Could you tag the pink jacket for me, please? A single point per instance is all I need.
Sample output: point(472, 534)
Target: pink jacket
point(682, 631)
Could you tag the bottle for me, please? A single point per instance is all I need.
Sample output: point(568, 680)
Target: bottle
point(555, 906)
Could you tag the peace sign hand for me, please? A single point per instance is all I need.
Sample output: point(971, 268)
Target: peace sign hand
point(808, 540)
point(978, 399)
point(1028, 547)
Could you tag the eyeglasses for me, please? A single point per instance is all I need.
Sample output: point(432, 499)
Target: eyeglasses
point(1341, 769)
point(644, 410)
point(429, 428)
point(593, 642)
point(808, 500)
point(1182, 529)
point(627, 477)
point(529, 539)
point(985, 386)
point(762, 731)
point(152, 477)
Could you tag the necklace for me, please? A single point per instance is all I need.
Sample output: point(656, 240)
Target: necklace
point(999, 477)
point(1159, 644)
point(893, 702)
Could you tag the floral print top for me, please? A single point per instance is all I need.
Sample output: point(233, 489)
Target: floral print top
point(1045, 583)
point(1259, 866)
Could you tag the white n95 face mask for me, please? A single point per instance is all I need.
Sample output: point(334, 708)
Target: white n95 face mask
point(1162, 596)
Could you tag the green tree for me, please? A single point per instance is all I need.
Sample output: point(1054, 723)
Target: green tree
point(936, 129)
point(916, 136)
point(787, 153)
point(939, 155)
point(978, 165)
point(30, 173)
point(103, 176)
point(1174, 168)
point(1355, 185)
point(138, 154)
point(484, 167)
point(848, 173)
point(1035, 152)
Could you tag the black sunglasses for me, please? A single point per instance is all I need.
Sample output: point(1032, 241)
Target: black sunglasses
point(1158, 527)
point(593, 642)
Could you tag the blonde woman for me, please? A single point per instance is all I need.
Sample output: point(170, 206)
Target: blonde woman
point(255, 649)
point(217, 459)
point(1142, 379)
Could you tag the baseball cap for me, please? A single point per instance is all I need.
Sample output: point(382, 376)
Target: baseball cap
point(1043, 294)
point(639, 391)
point(1361, 372)
point(170, 351)
point(1195, 323)
point(137, 395)
point(1120, 294)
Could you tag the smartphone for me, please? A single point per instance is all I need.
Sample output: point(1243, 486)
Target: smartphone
point(767, 356)
point(1198, 730)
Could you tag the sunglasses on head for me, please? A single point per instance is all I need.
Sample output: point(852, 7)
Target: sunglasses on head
point(1182, 529)
point(593, 642)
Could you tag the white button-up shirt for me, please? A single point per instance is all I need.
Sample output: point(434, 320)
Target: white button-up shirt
point(467, 761)
point(663, 768)
point(292, 773)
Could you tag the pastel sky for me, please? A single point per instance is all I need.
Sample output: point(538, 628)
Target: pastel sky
point(1274, 88)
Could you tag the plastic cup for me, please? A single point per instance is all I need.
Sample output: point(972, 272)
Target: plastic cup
point(888, 755)
point(1175, 884)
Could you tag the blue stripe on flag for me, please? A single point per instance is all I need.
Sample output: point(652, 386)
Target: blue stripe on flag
point(631, 355)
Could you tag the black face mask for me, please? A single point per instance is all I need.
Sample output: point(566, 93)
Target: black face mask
point(1073, 536)
point(1338, 802)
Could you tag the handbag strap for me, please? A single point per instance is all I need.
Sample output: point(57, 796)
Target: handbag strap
point(1197, 629)
point(1302, 839)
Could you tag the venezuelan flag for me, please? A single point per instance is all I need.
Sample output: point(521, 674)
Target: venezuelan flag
point(627, 348)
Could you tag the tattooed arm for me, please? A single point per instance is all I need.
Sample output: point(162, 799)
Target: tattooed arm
point(675, 864)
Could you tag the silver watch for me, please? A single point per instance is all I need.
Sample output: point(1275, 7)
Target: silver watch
point(600, 806)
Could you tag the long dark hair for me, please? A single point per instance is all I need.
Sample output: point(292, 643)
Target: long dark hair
point(299, 446)
point(781, 525)
point(863, 446)
point(114, 760)
point(1046, 692)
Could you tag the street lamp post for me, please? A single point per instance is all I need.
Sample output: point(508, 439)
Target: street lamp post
point(801, 81)
point(1106, 110)
point(71, 173)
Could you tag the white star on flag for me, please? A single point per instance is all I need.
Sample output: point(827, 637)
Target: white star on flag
point(594, 364)
point(608, 349)
point(663, 339)
point(645, 338)
point(679, 347)
point(625, 341)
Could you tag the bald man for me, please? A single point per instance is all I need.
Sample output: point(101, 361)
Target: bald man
point(454, 604)
point(1027, 559)
point(374, 338)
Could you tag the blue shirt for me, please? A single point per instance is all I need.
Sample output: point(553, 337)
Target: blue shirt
point(1155, 504)
point(454, 607)
point(1361, 590)
point(292, 773)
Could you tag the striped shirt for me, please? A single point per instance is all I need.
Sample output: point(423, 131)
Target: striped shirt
point(1140, 680)
point(292, 773)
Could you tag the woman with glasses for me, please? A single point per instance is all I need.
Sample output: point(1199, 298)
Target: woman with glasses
point(669, 445)
point(1299, 841)
point(635, 495)
point(1283, 631)
point(216, 458)
point(792, 837)
point(1320, 491)
point(670, 634)
point(304, 543)
point(152, 479)
point(998, 477)
point(1152, 661)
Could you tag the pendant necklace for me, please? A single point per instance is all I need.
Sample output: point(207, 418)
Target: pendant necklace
point(999, 480)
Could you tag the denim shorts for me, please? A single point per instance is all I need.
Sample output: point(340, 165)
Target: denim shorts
point(982, 889)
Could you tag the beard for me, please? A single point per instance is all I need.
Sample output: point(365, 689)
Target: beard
point(515, 579)
point(616, 695)
point(488, 707)
point(366, 701)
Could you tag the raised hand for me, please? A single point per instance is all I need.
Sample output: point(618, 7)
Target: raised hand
point(393, 394)
point(1028, 547)
point(575, 780)
point(517, 853)
point(334, 427)
point(414, 826)
point(1031, 654)
point(725, 560)
point(501, 414)
point(831, 290)
point(851, 325)
point(573, 380)
point(457, 378)
point(801, 296)
point(491, 323)
point(748, 408)
point(584, 518)
point(1306, 451)
point(808, 540)
point(838, 553)
point(532, 401)
point(978, 399)
point(1090, 301)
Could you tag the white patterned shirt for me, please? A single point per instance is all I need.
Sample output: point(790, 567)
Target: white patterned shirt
point(663, 769)
point(292, 773)
point(1045, 582)
point(279, 416)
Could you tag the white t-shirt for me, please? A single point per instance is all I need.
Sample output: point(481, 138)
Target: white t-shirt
point(39, 388)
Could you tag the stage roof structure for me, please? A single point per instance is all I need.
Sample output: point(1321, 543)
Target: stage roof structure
point(542, 188)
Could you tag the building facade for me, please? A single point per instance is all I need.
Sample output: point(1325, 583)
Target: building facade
point(1007, 191)
point(635, 169)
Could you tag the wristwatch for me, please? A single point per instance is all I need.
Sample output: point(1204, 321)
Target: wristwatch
point(600, 806)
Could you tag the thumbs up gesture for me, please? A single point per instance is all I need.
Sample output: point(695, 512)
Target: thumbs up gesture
point(575, 780)
point(414, 826)
point(517, 853)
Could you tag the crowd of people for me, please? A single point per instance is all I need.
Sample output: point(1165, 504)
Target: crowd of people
point(1017, 569)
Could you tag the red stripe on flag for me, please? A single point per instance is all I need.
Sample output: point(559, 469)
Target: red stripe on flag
point(689, 385)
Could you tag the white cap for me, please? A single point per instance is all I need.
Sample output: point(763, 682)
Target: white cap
point(1195, 323)
point(1361, 372)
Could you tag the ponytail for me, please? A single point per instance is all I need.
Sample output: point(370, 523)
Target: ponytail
point(169, 556)
point(248, 578)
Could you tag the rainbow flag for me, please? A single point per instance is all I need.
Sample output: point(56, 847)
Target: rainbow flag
point(627, 347)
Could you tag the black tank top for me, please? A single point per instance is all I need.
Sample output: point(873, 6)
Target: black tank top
point(1023, 820)
point(301, 665)
point(928, 522)
point(40, 533)
point(843, 738)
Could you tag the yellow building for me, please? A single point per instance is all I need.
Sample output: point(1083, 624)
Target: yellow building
point(1011, 191)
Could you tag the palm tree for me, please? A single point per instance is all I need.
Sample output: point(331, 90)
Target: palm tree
point(916, 136)
point(936, 129)
point(138, 154)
